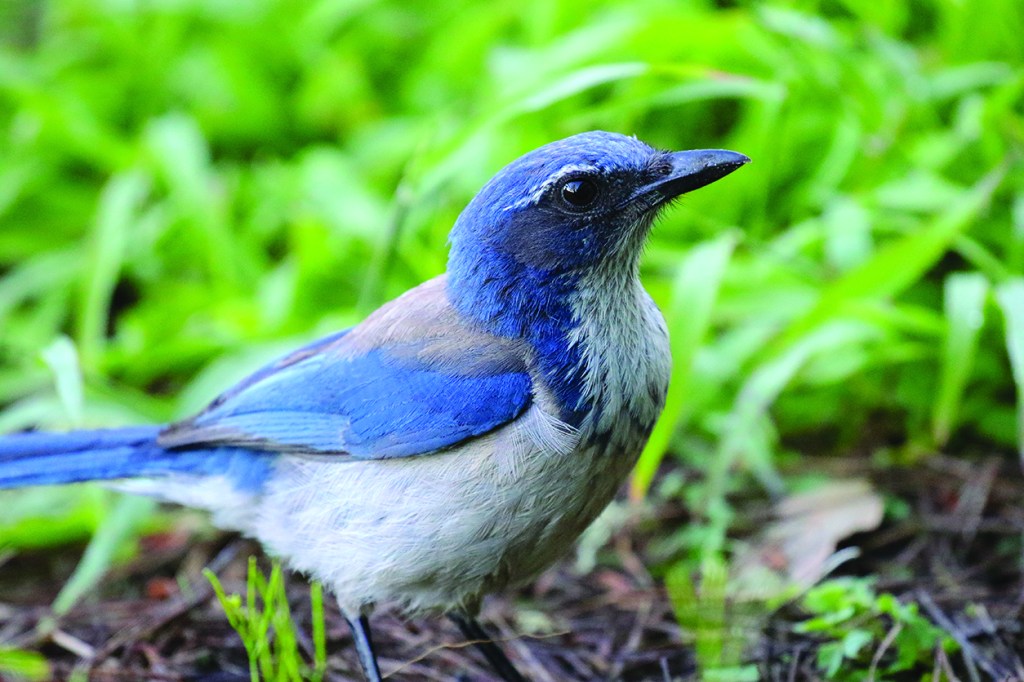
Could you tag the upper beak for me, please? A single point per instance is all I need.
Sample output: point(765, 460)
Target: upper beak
point(692, 170)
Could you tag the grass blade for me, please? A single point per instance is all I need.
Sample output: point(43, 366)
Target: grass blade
point(1010, 297)
point(23, 665)
point(744, 434)
point(898, 264)
point(126, 516)
point(316, 599)
point(117, 211)
point(62, 359)
point(965, 314)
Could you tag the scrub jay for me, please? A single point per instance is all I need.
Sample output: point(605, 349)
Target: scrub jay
point(459, 439)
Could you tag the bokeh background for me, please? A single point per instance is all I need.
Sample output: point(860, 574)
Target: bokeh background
point(188, 188)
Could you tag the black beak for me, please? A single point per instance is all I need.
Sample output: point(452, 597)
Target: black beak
point(692, 170)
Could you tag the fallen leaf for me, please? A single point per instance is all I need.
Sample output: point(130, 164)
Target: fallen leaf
point(798, 548)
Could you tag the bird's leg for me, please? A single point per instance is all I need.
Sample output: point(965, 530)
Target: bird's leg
point(360, 626)
point(473, 631)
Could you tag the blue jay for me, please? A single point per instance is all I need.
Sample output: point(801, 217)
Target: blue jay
point(460, 438)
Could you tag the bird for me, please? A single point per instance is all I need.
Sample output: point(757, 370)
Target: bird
point(461, 437)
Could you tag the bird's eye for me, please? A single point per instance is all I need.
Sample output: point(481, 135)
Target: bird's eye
point(579, 193)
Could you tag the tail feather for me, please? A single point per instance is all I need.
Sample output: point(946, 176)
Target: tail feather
point(53, 458)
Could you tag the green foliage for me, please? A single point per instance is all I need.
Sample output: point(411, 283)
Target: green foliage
point(1011, 299)
point(868, 632)
point(265, 625)
point(859, 633)
point(706, 612)
point(23, 666)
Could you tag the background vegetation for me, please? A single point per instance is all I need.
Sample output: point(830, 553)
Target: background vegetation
point(187, 188)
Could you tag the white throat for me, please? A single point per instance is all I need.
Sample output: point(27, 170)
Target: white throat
point(624, 348)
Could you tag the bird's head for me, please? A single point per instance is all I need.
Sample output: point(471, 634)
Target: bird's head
point(569, 208)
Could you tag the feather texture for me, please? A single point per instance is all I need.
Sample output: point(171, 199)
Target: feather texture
point(414, 378)
point(28, 459)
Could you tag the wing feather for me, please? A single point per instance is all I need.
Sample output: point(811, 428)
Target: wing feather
point(414, 378)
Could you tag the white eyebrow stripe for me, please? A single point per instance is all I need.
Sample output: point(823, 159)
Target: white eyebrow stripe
point(564, 171)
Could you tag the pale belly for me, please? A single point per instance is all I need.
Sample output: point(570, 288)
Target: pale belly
point(440, 531)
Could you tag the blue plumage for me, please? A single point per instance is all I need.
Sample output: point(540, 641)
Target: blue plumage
point(390, 388)
point(30, 459)
point(463, 435)
point(322, 407)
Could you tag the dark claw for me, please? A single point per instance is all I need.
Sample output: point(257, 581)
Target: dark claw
point(473, 631)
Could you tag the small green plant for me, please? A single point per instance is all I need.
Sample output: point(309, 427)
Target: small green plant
point(265, 625)
point(719, 630)
point(869, 633)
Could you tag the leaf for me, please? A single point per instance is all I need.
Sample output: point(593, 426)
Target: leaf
point(965, 315)
point(797, 549)
point(28, 666)
point(119, 205)
point(701, 609)
point(1010, 297)
point(62, 359)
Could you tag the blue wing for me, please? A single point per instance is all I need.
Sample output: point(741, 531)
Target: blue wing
point(414, 378)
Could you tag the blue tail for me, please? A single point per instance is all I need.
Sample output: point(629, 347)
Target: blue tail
point(52, 458)
point(28, 459)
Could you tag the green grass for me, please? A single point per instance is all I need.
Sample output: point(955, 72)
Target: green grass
point(23, 665)
point(187, 189)
point(263, 621)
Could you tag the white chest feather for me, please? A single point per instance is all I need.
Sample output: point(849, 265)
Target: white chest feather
point(624, 347)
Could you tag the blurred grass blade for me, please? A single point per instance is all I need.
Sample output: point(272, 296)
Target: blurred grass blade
point(50, 271)
point(744, 428)
point(181, 157)
point(720, 632)
point(848, 238)
point(62, 359)
point(576, 82)
point(316, 602)
point(118, 209)
point(704, 84)
point(965, 315)
point(1011, 300)
point(117, 528)
point(23, 665)
point(458, 152)
point(688, 318)
point(897, 264)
